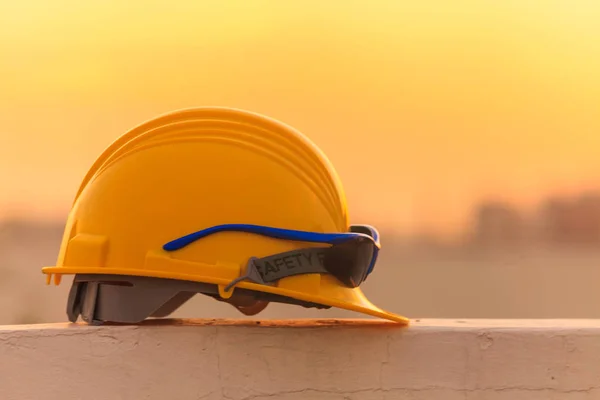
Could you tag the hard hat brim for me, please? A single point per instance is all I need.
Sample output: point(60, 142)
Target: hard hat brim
point(352, 299)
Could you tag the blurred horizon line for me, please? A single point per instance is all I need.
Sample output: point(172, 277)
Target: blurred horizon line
point(493, 213)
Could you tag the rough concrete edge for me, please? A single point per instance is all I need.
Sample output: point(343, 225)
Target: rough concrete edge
point(417, 324)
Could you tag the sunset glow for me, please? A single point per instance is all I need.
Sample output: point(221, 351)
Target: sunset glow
point(423, 107)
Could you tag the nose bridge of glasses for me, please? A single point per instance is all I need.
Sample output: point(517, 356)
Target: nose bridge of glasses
point(365, 229)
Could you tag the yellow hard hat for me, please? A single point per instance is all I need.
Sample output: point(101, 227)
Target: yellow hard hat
point(218, 201)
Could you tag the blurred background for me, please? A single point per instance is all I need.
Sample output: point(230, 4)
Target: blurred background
point(468, 132)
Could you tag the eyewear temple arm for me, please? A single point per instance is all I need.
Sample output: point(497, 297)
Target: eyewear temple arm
point(277, 233)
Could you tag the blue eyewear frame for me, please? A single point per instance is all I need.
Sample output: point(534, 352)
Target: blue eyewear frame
point(367, 232)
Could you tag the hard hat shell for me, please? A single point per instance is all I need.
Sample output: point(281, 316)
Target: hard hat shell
point(196, 168)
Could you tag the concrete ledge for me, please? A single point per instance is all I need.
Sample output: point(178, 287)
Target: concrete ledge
point(310, 359)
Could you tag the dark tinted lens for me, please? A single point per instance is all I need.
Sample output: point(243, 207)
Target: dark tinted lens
point(349, 261)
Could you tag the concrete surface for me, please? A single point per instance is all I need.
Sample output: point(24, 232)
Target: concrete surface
point(303, 359)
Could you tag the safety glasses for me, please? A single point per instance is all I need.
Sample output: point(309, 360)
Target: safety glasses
point(350, 258)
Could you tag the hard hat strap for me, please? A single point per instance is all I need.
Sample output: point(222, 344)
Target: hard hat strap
point(100, 298)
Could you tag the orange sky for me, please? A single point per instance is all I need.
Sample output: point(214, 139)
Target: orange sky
point(424, 107)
